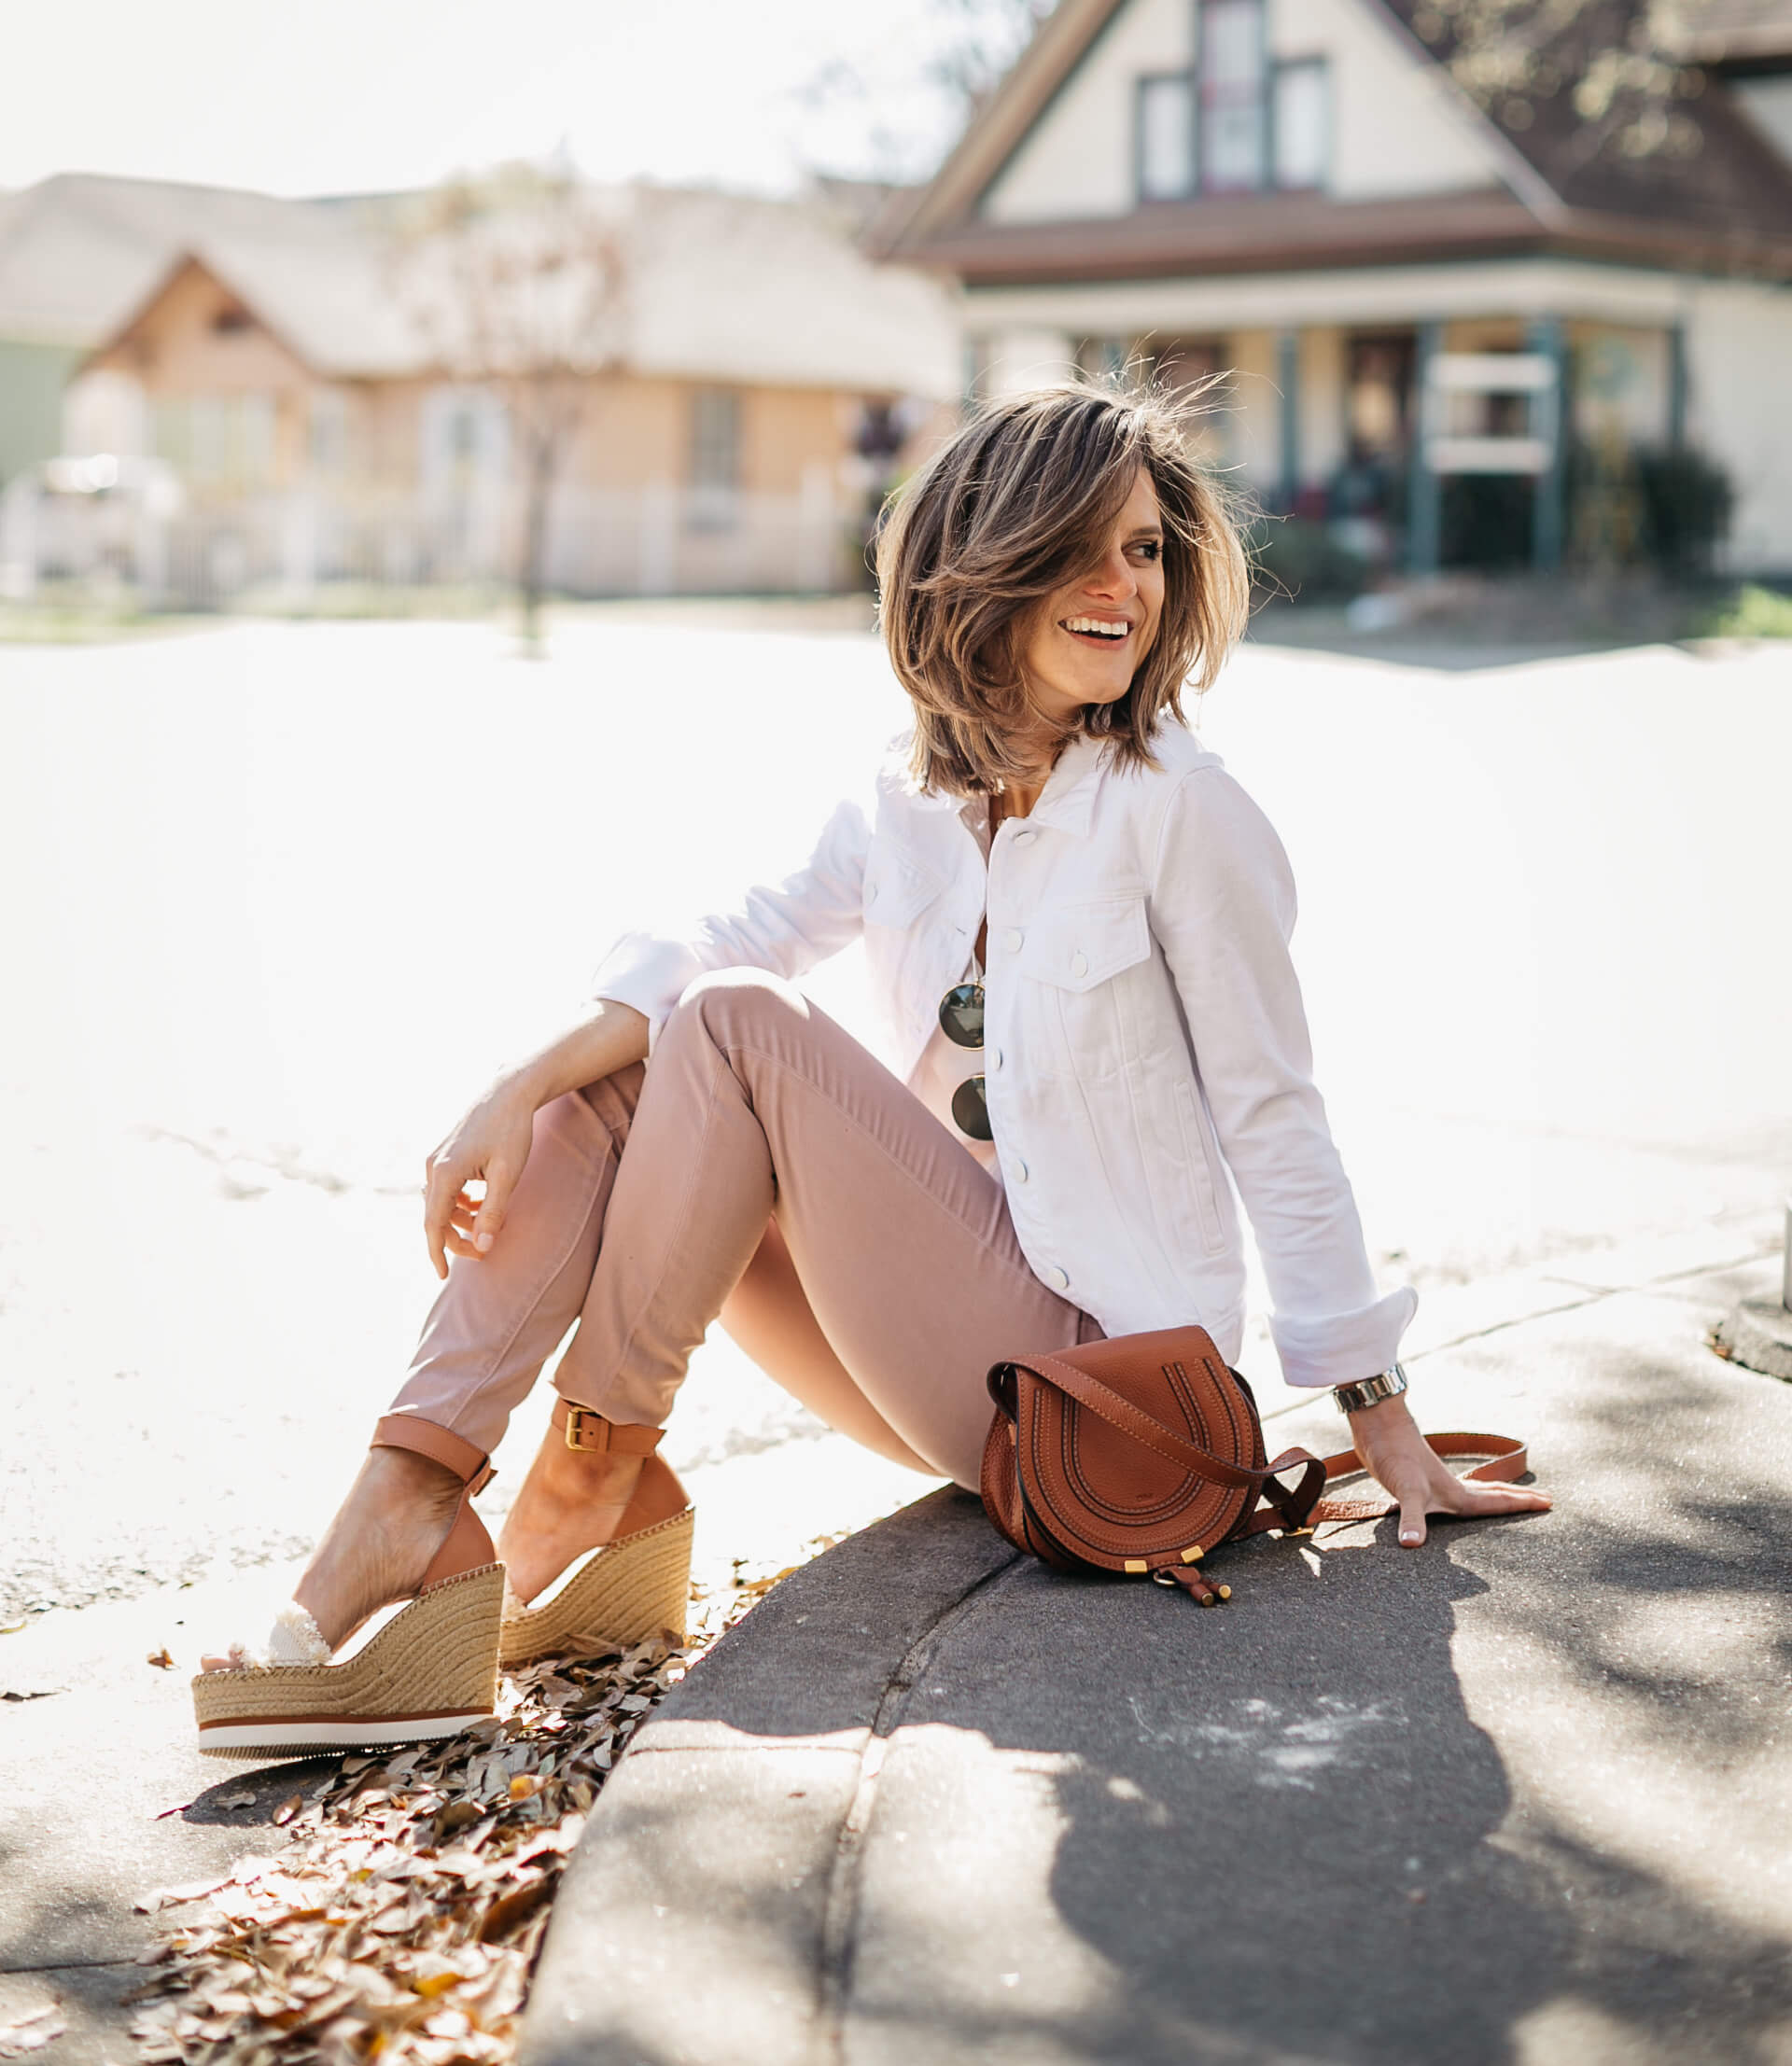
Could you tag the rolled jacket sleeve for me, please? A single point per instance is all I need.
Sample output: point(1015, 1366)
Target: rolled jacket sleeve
point(1222, 910)
point(786, 927)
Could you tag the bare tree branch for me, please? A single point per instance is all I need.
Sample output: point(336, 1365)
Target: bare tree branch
point(518, 281)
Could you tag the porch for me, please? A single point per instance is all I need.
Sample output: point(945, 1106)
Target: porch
point(1431, 416)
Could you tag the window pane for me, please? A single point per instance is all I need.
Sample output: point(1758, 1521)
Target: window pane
point(1302, 125)
point(1234, 154)
point(1233, 124)
point(1166, 138)
point(1232, 43)
point(715, 454)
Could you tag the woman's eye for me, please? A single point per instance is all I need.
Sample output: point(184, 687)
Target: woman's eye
point(1150, 548)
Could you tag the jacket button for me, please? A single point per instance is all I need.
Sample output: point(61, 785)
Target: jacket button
point(870, 895)
point(995, 1057)
point(1018, 1171)
point(1022, 838)
point(1014, 941)
point(1079, 964)
point(1057, 1280)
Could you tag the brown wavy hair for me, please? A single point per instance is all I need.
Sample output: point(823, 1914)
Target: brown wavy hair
point(1020, 500)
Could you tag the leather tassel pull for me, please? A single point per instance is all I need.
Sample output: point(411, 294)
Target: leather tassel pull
point(1201, 1590)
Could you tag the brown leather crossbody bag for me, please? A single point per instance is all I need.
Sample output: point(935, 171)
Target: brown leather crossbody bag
point(1144, 1453)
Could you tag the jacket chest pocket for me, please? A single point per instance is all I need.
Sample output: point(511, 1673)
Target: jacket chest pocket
point(1078, 947)
point(1073, 957)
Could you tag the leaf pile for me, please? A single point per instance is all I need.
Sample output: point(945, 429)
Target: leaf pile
point(403, 1919)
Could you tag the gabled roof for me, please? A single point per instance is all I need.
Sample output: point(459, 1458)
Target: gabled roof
point(1734, 188)
point(1727, 207)
point(721, 286)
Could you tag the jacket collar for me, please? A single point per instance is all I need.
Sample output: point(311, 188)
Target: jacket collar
point(1069, 794)
point(1064, 803)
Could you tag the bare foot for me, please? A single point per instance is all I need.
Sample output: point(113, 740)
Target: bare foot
point(575, 1500)
point(395, 1517)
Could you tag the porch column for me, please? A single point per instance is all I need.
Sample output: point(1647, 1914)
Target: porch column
point(1678, 386)
point(1424, 491)
point(1551, 406)
point(1288, 385)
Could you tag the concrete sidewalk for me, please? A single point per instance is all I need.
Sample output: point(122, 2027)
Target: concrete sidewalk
point(1518, 1798)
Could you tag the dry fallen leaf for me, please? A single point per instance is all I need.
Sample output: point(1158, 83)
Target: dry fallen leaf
point(31, 2033)
point(160, 1659)
point(401, 1921)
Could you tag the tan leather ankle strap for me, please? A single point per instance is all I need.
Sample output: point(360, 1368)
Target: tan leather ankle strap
point(404, 1430)
point(586, 1428)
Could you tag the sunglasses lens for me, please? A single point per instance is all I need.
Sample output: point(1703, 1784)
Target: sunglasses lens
point(971, 1110)
point(961, 1014)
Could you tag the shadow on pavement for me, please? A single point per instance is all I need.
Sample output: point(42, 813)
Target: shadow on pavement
point(1513, 1798)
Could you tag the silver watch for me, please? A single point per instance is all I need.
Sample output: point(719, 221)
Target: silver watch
point(1370, 1392)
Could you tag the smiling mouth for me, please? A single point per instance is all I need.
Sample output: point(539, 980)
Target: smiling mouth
point(1097, 631)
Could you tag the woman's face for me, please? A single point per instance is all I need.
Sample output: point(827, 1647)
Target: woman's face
point(1091, 637)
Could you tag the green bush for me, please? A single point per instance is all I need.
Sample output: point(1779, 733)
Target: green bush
point(1303, 562)
point(1687, 500)
point(1662, 506)
point(1752, 612)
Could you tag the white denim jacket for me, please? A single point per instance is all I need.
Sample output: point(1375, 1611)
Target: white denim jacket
point(1143, 1034)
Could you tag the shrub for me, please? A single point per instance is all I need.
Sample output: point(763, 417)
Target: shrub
point(1687, 500)
point(1752, 612)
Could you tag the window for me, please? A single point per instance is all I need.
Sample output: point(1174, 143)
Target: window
point(1238, 124)
point(1303, 122)
point(715, 457)
point(220, 442)
point(1165, 137)
point(1232, 118)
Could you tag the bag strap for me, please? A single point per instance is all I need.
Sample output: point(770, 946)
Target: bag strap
point(1299, 1507)
point(1506, 1460)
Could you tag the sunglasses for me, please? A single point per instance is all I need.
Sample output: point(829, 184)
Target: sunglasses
point(961, 1022)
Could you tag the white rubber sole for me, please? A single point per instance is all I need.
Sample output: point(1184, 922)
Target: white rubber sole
point(311, 1738)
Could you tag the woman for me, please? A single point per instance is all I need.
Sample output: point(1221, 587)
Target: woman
point(1077, 927)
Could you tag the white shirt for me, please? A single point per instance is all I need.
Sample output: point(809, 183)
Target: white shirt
point(1145, 1047)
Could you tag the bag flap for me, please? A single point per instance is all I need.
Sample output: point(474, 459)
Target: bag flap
point(1100, 1495)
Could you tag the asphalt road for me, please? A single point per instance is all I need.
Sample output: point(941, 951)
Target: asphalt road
point(282, 898)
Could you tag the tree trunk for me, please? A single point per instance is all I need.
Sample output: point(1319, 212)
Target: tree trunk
point(532, 571)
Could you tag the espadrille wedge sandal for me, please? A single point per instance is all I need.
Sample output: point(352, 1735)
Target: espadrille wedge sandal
point(432, 1671)
point(637, 1585)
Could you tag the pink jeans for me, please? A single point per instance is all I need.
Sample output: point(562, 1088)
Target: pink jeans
point(775, 1176)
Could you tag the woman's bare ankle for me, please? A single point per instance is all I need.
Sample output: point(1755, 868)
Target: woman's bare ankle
point(378, 1545)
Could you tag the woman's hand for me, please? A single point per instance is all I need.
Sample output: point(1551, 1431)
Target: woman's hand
point(492, 1143)
point(1417, 1479)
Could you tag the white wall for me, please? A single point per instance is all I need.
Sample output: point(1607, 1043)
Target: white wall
point(105, 412)
point(1397, 128)
point(1077, 160)
point(1739, 345)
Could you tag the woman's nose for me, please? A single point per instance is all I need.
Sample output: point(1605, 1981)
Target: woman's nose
point(1114, 580)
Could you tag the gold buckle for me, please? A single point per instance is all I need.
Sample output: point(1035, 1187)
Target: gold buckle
point(575, 1416)
point(1289, 1533)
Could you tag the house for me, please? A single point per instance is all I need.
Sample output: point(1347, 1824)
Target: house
point(1405, 292)
point(271, 352)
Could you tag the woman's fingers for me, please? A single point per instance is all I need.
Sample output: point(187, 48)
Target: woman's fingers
point(442, 1191)
point(488, 1221)
point(1462, 1496)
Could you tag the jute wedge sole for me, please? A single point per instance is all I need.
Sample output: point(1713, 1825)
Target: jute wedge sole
point(631, 1589)
point(430, 1673)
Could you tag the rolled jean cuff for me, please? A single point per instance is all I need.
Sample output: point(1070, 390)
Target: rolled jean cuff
point(1342, 1348)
